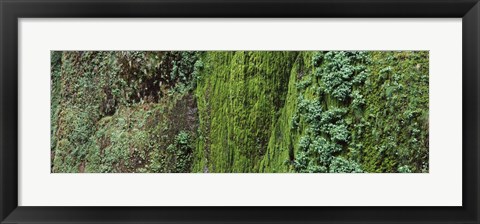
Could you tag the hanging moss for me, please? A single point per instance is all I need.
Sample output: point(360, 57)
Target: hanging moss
point(239, 98)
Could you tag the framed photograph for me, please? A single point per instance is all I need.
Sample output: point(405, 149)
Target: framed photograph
point(310, 111)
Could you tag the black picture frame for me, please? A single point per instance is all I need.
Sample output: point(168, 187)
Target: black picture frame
point(11, 11)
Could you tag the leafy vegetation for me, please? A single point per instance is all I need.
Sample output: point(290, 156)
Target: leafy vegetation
point(240, 111)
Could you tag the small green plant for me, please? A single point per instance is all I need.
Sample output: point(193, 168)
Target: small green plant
point(180, 153)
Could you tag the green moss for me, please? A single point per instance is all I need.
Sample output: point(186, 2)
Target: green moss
point(239, 97)
point(253, 111)
point(56, 66)
point(396, 116)
point(119, 111)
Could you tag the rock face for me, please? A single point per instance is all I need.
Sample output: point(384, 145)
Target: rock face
point(253, 111)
